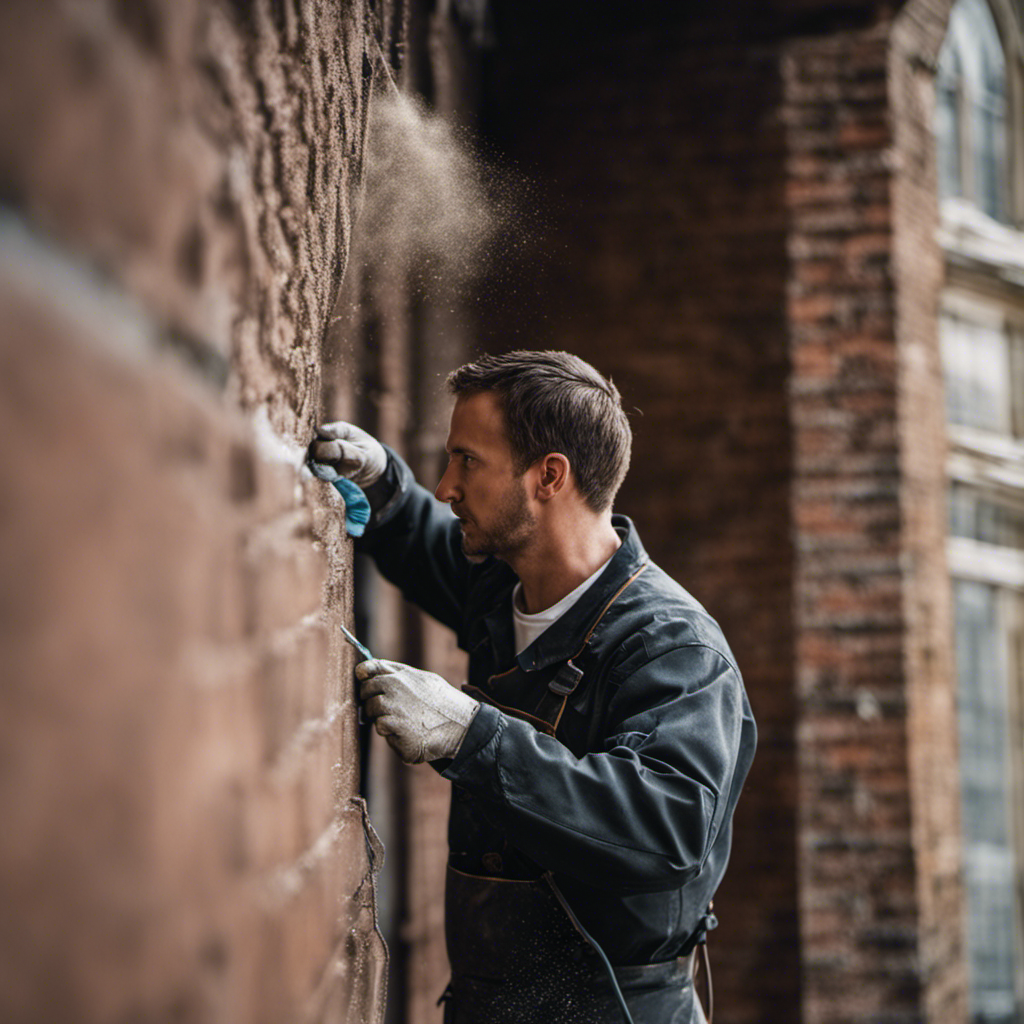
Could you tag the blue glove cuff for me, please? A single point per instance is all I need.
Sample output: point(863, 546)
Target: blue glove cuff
point(357, 508)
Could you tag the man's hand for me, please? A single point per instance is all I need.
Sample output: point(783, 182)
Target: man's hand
point(343, 450)
point(421, 715)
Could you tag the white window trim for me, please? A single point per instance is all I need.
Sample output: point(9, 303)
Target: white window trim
point(985, 563)
point(986, 460)
point(972, 239)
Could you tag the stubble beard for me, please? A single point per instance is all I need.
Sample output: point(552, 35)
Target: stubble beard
point(509, 533)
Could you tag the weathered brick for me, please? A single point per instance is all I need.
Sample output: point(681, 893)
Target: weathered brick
point(176, 736)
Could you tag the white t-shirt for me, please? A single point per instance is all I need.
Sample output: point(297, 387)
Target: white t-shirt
point(529, 627)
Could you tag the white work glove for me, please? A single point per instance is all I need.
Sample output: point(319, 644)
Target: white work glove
point(422, 716)
point(343, 450)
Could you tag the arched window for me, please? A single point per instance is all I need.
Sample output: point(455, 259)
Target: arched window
point(970, 125)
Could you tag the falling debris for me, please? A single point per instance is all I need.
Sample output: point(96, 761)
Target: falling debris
point(427, 213)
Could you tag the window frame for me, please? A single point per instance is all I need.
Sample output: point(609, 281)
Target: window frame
point(1008, 26)
point(984, 281)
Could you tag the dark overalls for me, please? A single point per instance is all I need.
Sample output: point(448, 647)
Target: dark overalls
point(609, 754)
point(516, 956)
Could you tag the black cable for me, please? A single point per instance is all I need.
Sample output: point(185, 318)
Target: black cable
point(711, 991)
point(627, 1016)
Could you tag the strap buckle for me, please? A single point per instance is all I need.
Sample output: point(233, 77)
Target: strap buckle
point(708, 923)
point(566, 679)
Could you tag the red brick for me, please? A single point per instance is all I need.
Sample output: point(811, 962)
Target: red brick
point(168, 627)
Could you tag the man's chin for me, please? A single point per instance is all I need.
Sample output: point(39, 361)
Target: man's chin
point(473, 554)
point(487, 545)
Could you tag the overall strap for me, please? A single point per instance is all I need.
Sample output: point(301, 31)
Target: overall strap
point(568, 678)
point(560, 689)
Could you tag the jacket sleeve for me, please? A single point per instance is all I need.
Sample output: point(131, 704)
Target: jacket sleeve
point(642, 814)
point(417, 544)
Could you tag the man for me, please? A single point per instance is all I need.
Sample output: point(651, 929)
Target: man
point(599, 747)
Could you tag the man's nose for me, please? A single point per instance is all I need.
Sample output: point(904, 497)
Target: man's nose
point(445, 490)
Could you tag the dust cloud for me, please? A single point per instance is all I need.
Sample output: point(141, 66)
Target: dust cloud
point(431, 208)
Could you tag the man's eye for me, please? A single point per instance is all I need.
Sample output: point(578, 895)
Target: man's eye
point(467, 459)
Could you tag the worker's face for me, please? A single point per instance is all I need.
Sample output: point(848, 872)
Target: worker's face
point(480, 482)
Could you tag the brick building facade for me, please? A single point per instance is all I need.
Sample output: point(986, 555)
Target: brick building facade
point(734, 210)
point(182, 836)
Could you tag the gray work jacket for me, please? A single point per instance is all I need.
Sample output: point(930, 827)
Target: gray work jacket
point(630, 802)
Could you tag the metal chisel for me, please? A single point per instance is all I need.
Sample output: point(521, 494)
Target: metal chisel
point(365, 652)
point(361, 648)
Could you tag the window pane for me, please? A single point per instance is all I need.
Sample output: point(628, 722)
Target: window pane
point(976, 358)
point(985, 518)
point(989, 112)
point(970, 118)
point(990, 862)
point(947, 124)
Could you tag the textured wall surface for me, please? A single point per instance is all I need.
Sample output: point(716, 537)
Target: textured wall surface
point(857, 868)
point(182, 839)
point(206, 155)
point(881, 902)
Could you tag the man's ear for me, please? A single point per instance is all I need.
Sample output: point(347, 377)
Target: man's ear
point(553, 476)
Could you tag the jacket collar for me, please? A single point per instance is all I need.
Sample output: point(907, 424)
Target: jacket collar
point(560, 641)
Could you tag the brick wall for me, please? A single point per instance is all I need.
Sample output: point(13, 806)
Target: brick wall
point(880, 889)
point(403, 316)
point(181, 839)
point(858, 879)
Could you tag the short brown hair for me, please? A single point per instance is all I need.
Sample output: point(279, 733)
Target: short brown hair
point(557, 402)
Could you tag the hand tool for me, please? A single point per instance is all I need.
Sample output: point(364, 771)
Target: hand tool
point(361, 648)
point(367, 656)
